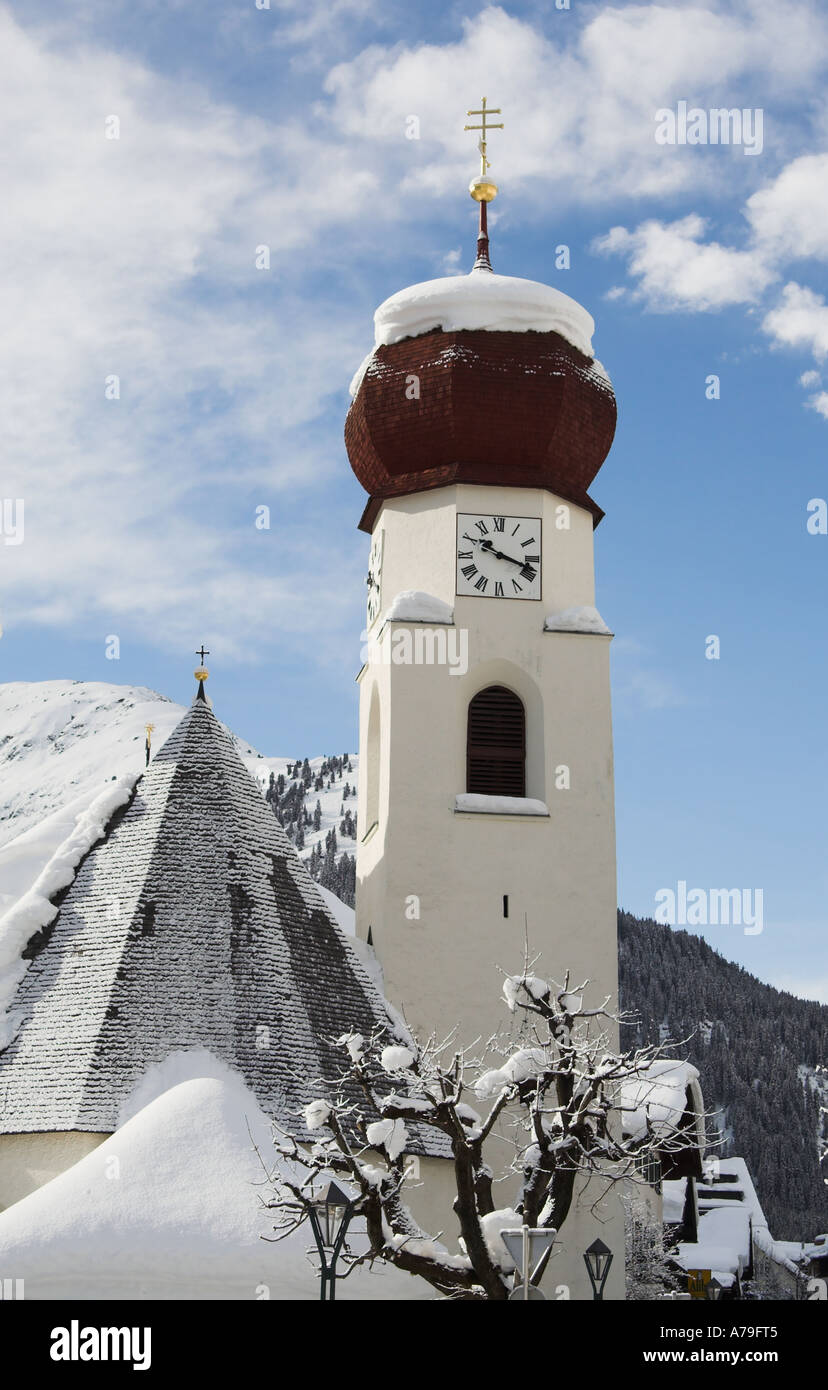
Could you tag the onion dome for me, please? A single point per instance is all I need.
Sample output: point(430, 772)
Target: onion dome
point(480, 378)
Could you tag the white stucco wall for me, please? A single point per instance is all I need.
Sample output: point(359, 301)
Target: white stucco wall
point(27, 1161)
point(444, 965)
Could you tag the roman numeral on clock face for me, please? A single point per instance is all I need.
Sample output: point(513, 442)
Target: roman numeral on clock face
point(470, 571)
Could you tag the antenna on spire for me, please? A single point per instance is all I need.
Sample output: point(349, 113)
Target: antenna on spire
point(201, 673)
point(483, 189)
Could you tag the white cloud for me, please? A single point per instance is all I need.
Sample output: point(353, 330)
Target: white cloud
point(579, 108)
point(799, 320)
point(789, 217)
point(676, 270)
point(135, 257)
point(318, 22)
point(809, 379)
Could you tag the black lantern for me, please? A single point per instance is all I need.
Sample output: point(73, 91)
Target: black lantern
point(713, 1289)
point(330, 1214)
point(598, 1259)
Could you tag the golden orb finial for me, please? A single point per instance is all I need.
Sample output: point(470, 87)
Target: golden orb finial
point(484, 189)
point(201, 673)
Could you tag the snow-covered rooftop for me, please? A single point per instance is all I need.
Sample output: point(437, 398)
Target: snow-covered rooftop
point(171, 1207)
point(656, 1100)
point(482, 300)
point(191, 923)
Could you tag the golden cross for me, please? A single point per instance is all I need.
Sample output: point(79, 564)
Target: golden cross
point(484, 127)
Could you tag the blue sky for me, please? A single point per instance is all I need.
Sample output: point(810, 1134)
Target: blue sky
point(285, 127)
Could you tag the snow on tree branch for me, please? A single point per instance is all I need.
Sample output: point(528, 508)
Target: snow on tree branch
point(569, 1106)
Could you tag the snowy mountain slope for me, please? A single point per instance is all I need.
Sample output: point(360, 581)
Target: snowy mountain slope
point(62, 742)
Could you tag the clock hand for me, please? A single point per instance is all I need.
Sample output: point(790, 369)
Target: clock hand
point(487, 545)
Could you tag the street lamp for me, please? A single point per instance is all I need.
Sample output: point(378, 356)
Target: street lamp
point(329, 1215)
point(598, 1259)
point(713, 1289)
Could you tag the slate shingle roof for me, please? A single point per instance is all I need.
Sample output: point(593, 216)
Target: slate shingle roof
point(193, 924)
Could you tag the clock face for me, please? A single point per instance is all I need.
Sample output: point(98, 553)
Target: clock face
point(374, 580)
point(498, 556)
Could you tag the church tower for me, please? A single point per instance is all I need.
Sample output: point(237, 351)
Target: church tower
point(477, 425)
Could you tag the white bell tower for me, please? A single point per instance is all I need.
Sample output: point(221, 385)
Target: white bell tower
point(486, 778)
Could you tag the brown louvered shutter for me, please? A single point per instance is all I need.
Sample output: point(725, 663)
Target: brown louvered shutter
point(496, 743)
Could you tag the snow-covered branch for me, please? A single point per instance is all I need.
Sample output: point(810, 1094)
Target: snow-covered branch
point(570, 1107)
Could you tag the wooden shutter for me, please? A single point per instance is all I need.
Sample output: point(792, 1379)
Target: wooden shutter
point(496, 743)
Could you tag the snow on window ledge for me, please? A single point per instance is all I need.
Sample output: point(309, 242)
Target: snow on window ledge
point(478, 804)
point(579, 619)
point(414, 606)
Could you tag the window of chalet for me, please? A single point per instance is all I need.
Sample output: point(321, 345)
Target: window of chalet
point(496, 743)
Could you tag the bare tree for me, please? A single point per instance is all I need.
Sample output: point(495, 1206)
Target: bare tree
point(571, 1108)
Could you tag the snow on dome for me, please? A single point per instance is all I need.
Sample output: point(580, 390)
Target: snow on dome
point(356, 379)
point(171, 1207)
point(499, 303)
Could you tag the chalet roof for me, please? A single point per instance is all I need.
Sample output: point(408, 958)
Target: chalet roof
point(193, 923)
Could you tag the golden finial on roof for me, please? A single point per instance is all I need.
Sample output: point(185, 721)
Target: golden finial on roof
point(484, 189)
point(201, 673)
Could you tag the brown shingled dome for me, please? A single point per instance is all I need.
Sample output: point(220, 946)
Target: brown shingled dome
point(521, 409)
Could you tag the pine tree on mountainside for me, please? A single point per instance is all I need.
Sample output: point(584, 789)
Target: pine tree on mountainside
point(759, 1037)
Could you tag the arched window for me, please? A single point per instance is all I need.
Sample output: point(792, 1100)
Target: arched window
point(496, 743)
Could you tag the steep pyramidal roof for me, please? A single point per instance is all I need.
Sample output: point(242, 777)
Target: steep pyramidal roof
point(192, 924)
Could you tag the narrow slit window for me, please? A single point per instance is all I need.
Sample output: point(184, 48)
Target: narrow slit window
point(496, 743)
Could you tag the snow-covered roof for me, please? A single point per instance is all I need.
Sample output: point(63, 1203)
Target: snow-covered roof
point(723, 1241)
point(191, 924)
point(171, 1206)
point(656, 1100)
point(482, 300)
